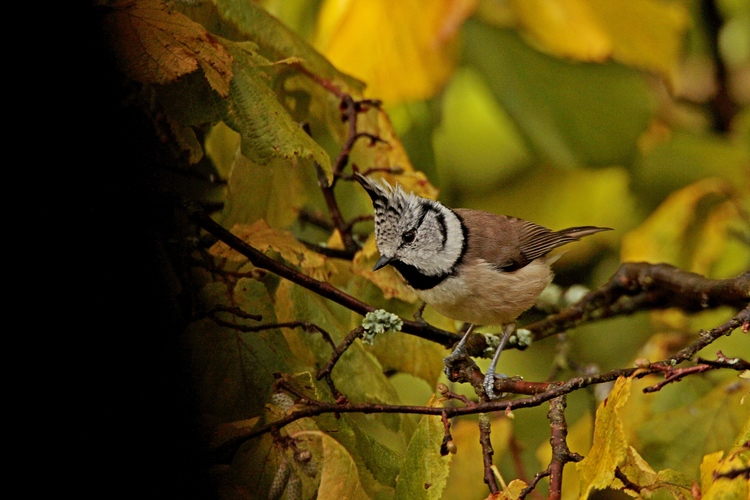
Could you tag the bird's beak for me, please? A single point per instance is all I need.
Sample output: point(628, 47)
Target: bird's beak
point(382, 262)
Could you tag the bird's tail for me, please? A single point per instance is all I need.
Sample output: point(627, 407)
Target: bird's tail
point(576, 233)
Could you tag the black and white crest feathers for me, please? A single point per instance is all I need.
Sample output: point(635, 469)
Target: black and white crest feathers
point(423, 239)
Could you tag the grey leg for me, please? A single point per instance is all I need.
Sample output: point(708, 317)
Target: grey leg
point(459, 351)
point(489, 378)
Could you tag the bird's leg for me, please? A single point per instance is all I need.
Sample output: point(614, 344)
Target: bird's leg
point(418, 315)
point(489, 378)
point(460, 350)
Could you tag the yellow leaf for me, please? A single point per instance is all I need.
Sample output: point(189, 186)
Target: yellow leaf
point(156, 44)
point(262, 237)
point(713, 465)
point(340, 476)
point(513, 491)
point(637, 470)
point(568, 28)
point(708, 466)
point(690, 229)
point(387, 279)
point(646, 34)
point(402, 49)
point(609, 450)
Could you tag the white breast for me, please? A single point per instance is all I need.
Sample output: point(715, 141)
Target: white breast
point(483, 295)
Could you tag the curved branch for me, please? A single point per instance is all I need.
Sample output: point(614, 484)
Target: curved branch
point(261, 260)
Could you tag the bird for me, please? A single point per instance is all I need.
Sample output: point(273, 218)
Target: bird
point(470, 265)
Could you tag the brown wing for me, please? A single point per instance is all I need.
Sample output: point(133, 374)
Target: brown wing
point(511, 243)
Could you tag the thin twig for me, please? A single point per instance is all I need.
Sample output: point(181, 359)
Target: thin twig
point(447, 437)
point(678, 374)
point(561, 454)
point(530, 487)
point(306, 325)
point(316, 219)
point(487, 452)
point(315, 408)
point(339, 350)
point(619, 474)
point(235, 311)
point(722, 361)
point(350, 109)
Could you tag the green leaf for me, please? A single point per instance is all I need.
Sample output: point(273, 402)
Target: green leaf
point(274, 192)
point(277, 42)
point(571, 114)
point(266, 127)
point(357, 373)
point(424, 473)
point(233, 370)
point(669, 163)
point(678, 438)
point(410, 354)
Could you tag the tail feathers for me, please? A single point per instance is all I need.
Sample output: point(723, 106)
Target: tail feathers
point(536, 241)
point(579, 232)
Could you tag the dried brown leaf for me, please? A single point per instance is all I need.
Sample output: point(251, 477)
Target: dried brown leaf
point(156, 44)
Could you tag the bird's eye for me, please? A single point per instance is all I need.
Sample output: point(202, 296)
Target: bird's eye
point(408, 236)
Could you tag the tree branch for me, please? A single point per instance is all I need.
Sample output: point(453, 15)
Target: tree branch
point(261, 260)
point(542, 391)
point(487, 452)
point(339, 350)
point(638, 286)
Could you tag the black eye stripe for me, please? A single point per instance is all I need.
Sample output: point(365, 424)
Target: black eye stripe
point(443, 228)
point(426, 208)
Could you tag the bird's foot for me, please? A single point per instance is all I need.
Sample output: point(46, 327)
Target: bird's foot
point(458, 352)
point(489, 383)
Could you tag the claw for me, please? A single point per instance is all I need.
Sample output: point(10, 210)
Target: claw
point(489, 382)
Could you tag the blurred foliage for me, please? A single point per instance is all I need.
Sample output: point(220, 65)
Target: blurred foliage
point(633, 115)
